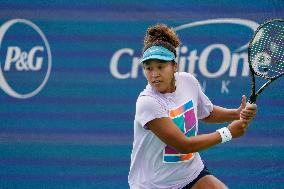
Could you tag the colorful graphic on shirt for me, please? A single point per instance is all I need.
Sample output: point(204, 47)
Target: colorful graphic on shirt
point(184, 118)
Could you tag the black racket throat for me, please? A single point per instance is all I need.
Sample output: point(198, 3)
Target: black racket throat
point(255, 94)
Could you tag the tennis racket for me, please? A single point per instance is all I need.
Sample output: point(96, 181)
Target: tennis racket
point(266, 55)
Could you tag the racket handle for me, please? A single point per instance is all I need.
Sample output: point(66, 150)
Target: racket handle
point(250, 104)
point(252, 99)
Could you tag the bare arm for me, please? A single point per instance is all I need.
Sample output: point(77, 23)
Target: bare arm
point(168, 132)
point(221, 115)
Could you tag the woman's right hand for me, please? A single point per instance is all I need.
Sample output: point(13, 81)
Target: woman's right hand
point(238, 128)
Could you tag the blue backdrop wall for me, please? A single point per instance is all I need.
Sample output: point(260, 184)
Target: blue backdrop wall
point(70, 77)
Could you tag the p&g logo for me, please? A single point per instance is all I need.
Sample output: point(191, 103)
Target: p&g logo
point(25, 58)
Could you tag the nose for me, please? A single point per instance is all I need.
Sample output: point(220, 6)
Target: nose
point(155, 73)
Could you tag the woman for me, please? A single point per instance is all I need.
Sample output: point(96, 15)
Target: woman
point(166, 144)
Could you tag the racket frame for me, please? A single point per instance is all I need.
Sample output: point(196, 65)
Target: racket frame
point(254, 95)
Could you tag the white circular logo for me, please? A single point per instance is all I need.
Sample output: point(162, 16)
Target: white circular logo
point(26, 60)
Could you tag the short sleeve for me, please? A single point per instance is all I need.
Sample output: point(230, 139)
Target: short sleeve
point(204, 105)
point(147, 109)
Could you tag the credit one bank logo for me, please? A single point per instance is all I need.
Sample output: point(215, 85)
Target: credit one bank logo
point(25, 58)
point(215, 48)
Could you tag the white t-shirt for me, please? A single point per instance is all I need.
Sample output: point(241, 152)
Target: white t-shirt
point(154, 165)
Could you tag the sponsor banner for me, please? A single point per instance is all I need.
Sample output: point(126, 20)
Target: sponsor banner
point(210, 50)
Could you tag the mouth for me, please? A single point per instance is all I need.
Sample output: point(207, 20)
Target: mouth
point(156, 82)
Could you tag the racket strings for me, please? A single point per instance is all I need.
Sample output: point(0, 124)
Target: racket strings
point(267, 53)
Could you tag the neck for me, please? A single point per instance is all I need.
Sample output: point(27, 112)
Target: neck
point(172, 87)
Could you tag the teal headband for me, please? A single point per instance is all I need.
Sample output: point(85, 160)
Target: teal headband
point(157, 52)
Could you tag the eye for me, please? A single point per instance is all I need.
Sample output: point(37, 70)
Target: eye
point(160, 66)
point(148, 68)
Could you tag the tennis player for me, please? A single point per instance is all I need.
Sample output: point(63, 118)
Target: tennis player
point(166, 144)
